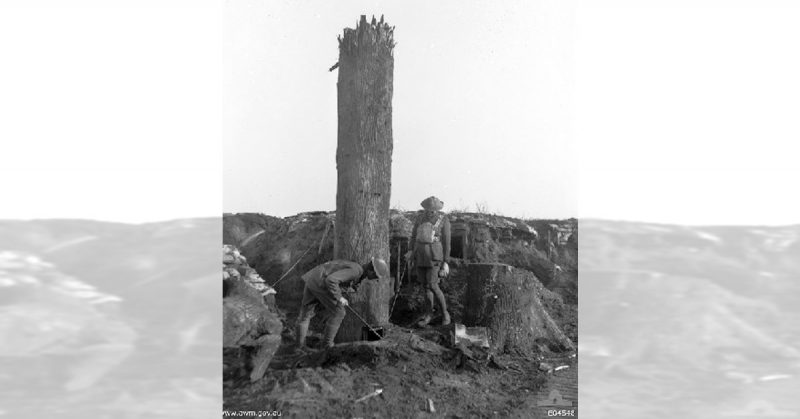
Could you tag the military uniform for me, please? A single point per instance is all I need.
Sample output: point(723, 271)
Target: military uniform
point(322, 289)
point(429, 258)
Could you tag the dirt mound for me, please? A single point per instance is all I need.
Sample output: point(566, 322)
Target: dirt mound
point(409, 366)
point(281, 250)
point(248, 322)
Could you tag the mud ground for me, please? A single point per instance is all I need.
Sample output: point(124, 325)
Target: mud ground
point(408, 373)
point(410, 366)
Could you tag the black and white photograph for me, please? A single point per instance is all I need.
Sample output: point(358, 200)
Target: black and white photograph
point(400, 236)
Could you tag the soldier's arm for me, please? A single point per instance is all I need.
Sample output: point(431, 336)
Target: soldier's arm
point(333, 280)
point(446, 238)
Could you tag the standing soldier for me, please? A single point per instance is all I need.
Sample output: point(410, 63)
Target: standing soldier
point(430, 239)
point(322, 289)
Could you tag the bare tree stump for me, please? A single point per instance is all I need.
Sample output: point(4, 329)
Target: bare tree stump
point(508, 302)
point(364, 162)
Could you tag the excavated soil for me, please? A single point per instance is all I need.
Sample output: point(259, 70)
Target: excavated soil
point(410, 366)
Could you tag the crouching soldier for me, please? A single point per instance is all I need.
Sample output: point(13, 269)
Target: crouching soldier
point(322, 288)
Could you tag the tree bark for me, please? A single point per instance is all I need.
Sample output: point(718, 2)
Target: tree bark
point(507, 301)
point(363, 162)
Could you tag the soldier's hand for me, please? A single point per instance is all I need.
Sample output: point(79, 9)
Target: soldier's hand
point(444, 271)
point(343, 301)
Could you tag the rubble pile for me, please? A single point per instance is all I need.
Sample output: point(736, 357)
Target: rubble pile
point(235, 267)
point(459, 368)
point(281, 249)
point(250, 326)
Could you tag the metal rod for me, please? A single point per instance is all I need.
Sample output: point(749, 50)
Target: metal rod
point(397, 274)
point(365, 323)
point(400, 284)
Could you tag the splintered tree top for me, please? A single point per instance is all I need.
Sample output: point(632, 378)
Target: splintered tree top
point(375, 34)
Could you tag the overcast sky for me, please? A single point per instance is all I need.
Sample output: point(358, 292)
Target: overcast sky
point(481, 108)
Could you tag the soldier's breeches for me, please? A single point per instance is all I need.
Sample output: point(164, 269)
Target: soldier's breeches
point(332, 324)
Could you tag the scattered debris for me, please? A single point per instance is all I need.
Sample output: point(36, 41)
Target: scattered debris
point(470, 335)
point(234, 266)
point(247, 321)
point(430, 407)
point(370, 395)
point(494, 363)
point(455, 365)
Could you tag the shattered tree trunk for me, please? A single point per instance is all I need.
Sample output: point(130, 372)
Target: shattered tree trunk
point(364, 163)
point(508, 302)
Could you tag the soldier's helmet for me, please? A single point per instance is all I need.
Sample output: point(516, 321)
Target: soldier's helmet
point(381, 268)
point(432, 203)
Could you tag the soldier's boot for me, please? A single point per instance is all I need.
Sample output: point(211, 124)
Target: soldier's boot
point(301, 333)
point(445, 318)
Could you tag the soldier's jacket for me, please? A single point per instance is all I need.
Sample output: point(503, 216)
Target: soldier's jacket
point(325, 279)
point(425, 255)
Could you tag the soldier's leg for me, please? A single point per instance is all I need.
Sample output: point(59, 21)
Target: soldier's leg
point(439, 297)
point(425, 276)
point(307, 309)
point(335, 317)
